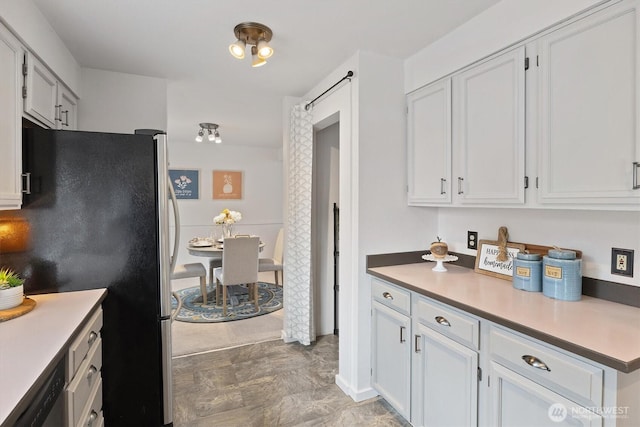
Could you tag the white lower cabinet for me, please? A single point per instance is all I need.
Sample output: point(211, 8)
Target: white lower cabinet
point(518, 401)
point(440, 366)
point(391, 357)
point(444, 381)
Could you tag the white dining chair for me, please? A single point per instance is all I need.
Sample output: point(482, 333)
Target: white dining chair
point(239, 267)
point(274, 264)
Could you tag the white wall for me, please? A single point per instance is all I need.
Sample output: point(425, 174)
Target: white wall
point(121, 103)
point(25, 19)
point(593, 232)
point(326, 180)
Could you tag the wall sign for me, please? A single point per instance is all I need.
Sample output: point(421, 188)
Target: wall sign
point(186, 183)
point(227, 185)
point(486, 262)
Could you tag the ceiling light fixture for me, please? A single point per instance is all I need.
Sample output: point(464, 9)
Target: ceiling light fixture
point(212, 133)
point(258, 37)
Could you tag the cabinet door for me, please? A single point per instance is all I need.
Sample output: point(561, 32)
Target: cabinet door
point(41, 99)
point(489, 131)
point(589, 93)
point(517, 401)
point(445, 381)
point(429, 144)
point(11, 55)
point(67, 109)
point(391, 357)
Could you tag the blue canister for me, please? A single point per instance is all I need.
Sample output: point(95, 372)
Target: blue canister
point(527, 272)
point(562, 275)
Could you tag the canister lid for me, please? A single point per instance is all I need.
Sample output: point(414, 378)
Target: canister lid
point(528, 257)
point(562, 254)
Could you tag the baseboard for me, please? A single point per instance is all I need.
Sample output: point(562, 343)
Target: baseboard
point(357, 396)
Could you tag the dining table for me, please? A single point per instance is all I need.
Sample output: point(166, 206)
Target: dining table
point(211, 249)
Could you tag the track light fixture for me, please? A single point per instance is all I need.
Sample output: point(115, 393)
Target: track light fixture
point(258, 37)
point(212, 133)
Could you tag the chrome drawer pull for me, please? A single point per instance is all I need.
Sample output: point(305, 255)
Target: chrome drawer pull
point(535, 362)
point(460, 179)
point(416, 343)
point(92, 337)
point(387, 295)
point(91, 372)
point(442, 321)
point(636, 165)
point(442, 183)
point(402, 328)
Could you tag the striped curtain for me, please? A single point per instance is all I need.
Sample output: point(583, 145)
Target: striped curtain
point(298, 292)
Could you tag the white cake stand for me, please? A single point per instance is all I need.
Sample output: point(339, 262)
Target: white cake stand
point(439, 261)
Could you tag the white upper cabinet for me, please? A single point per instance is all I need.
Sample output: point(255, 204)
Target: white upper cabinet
point(489, 131)
point(11, 54)
point(589, 93)
point(47, 100)
point(429, 144)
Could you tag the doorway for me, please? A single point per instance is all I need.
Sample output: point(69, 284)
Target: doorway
point(326, 195)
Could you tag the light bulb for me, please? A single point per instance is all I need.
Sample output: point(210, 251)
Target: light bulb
point(264, 50)
point(200, 135)
point(256, 61)
point(217, 137)
point(211, 137)
point(237, 48)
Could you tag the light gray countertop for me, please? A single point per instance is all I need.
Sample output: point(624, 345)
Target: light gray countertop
point(600, 330)
point(30, 345)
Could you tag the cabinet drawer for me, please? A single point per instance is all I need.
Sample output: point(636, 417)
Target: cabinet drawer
point(81, 345)
point(448, 321)
point(390, 295)
point(87, 377)
point(566, 375)
point(92, 414)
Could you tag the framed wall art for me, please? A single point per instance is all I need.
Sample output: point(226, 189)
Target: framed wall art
point(487, 262)
point(227, 185)
point(186, 183)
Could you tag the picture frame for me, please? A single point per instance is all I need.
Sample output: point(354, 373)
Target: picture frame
point(486, 262)
point(186, 183)
point(227, 185)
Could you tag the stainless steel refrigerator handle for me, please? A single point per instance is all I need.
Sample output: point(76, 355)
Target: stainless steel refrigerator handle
point(176, 233)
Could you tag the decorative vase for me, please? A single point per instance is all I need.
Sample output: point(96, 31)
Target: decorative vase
point(11, 297)
point(227, 230)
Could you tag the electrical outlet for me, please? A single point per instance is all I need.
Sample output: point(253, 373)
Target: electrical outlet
point(622, 261)
point(472, 239)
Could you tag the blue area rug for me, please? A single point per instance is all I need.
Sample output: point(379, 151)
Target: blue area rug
point(270, 300)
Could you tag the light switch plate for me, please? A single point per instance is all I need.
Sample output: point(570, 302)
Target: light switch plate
point(622, 262)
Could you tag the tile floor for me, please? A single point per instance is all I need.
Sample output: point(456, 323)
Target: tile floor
point(270, 384)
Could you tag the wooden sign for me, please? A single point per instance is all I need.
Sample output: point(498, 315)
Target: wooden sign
point(487, 263)
point(227, 185)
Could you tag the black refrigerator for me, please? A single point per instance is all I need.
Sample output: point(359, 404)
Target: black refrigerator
point(98, 217)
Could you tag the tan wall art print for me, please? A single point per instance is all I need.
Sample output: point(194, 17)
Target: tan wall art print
point(227, 185)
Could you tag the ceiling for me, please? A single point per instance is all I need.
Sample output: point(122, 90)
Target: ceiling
point(186, 42)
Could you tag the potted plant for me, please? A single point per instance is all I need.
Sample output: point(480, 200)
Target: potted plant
point(11, 289)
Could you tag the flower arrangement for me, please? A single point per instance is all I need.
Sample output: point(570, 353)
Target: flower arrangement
point(227, 217)
point(9, 279)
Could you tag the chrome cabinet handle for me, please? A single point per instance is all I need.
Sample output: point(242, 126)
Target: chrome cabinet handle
point(92, 337)
point(636, 165)
point(442, 186)
point(442, 321)
point(402, 328)
point(416, 343)
point(92, 418)
point(92, 371)
point(387, 295)
point(66, 117)
point(460, 179)
point(535, 362)
point(57, 114)
point(27, 182)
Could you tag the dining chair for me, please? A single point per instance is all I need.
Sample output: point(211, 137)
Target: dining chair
point(274, 264)
point(239, 267)
point(185, 271)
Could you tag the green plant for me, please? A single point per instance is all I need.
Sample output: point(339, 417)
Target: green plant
point(9, 279)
